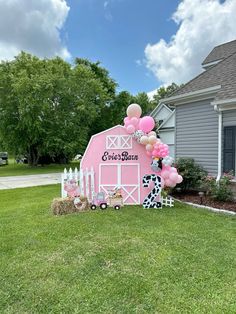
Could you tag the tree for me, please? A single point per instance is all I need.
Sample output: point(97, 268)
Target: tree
point(104, 118)
point(47, 107)
point(145, 103)
point(117, 109)
point(164, 92)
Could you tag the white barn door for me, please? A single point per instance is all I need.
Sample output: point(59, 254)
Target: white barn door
point(123, 175)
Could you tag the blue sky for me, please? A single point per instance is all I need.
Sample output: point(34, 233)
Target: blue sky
point(143, 43)
point(116, 33)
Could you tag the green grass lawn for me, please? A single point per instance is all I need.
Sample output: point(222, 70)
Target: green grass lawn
point(14, 169)
point(174, 260)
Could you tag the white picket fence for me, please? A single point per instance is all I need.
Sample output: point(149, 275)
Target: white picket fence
point(84, 178)
point(167, 201)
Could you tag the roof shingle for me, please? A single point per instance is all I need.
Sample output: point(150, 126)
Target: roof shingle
point(221, 52)
point(223, 73)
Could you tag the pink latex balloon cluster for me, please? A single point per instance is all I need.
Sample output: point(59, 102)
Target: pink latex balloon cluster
point(141, 128)
point(155, 147)
point(160, 150)
point(170, 176)
point(133, 122)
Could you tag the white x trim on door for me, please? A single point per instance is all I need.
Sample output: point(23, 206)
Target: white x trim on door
point(125, 187)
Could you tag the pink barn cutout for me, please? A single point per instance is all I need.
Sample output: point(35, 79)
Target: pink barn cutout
point(118, 161)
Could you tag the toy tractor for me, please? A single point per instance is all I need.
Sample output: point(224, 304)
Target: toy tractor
point(99, 200)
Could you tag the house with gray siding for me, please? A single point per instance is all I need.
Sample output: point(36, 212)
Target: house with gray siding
point(205, 113)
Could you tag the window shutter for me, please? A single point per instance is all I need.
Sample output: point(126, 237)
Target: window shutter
point(229, 149)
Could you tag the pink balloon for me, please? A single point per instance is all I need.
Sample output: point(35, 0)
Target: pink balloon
point(130, 129)
point(127, 123)
point(158, 142)
point(135, 121)
point(168, 182)
point(149, 154)
point(154, 153)
point(149, 147)
point(173, 169)
point(180, 179)
point(172, 184)
point(173, 177)
point(165, 174)
point(146, 124)
point(126, 119)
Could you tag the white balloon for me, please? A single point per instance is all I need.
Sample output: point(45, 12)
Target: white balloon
point(152, 139)
point(168, 161)
point(152, 133)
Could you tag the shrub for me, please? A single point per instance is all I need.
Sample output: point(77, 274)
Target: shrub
point(192, 173)
point(221, 190)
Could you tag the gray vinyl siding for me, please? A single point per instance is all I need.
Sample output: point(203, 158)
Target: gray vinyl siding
point(229, 118)
point(197, 134)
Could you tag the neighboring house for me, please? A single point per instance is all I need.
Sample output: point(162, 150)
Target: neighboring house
point(206, 113)
point(166, 129)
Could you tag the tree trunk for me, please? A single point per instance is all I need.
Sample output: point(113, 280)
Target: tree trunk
point(33, 156)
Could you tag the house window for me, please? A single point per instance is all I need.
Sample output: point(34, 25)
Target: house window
point(229, 152)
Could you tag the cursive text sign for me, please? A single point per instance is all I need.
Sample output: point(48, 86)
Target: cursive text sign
point(124, 156)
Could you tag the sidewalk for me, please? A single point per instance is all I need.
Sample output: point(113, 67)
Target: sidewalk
point(29, 180)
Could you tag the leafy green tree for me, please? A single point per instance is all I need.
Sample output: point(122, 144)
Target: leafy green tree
point(104, 116)
point(143, 100)
point(47, 107)
point(164, 92)
point(118, 107)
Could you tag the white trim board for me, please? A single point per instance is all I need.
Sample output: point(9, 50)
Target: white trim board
point(224, 104)
point(159, 108)
point(201, 94)
point(167, 119)
point(206, 65)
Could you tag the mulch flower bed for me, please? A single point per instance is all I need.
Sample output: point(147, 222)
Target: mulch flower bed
point(193, 197)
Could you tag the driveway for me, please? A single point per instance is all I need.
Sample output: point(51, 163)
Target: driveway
point(29, 180)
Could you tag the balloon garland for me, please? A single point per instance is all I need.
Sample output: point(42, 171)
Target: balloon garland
point(142, 131)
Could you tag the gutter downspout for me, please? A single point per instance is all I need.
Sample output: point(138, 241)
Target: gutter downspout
point(217, 109)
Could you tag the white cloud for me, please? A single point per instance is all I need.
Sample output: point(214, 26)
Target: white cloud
point(33, 26)
point(203, 24)
point(151, 94)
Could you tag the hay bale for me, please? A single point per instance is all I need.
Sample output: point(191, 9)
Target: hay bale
point(61, 206)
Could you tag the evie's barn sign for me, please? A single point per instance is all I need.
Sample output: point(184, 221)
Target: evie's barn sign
point(124, 156)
